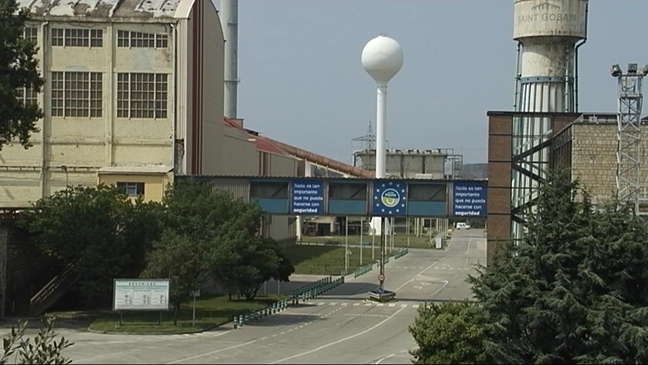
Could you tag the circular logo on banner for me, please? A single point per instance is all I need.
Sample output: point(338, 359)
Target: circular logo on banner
point(390, 197)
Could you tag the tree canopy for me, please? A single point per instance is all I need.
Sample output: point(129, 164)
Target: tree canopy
point(195, 234)
point(98, 231)
point(573, 291)
point(18, 75)
point(222, 234)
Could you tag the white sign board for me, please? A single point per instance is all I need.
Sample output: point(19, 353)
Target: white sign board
point(141, 294)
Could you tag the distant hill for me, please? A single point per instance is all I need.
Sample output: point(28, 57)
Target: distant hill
point(475, 171)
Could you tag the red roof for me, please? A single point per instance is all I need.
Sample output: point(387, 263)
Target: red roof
point(261, 144)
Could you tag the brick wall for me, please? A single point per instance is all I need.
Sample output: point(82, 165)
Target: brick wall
point(594, 158)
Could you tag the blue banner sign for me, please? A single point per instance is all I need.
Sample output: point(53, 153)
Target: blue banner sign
point(307, 197)
point(389, 198)
point(469, 199)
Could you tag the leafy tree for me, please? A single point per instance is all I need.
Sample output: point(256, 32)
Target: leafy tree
point(245, 264)
point(573, 291)
point(18, 70)
point(450, 333)
point(222, 232)
point(42, 349)
point(197, 210)
point(181, 259)
point(97, 230)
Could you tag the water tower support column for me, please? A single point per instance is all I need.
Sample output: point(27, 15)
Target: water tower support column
point(381, 131)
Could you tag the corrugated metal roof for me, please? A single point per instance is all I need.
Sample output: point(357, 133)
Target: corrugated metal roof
point(135, 169)
point(106, 8)
point(265, 146)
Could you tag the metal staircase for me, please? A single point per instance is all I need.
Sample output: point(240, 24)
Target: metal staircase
point(53, 290)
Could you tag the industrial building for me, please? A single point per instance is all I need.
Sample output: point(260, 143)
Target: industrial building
point(583, 143)
point(134, 96)
point(127, 98)
point(604, 151)
point(413, 163)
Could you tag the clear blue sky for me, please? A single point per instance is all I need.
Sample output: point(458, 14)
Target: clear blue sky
point(302, 81)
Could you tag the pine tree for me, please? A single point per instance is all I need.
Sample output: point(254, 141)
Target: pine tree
point(573, 290)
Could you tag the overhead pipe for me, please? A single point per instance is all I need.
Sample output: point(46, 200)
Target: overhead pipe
point(322, 160)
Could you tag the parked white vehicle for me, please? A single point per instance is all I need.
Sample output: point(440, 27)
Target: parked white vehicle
point(461, 225)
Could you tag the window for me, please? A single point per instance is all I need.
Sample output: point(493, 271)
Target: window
point(31, 34)
point(70, 37)
point(131, 188)
point(76, 94)
point(142, 95)
point(122, 38)
point(141, 40)
point(57, 37)
point(27, 96)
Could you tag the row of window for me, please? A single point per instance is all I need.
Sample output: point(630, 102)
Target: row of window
point(93, 38)
point(80, 94)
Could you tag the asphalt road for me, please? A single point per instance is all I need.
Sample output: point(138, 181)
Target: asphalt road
point(339, 327)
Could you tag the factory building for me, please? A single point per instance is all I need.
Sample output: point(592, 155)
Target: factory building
point(127, 99)
point(583, 143)
point(407, 164)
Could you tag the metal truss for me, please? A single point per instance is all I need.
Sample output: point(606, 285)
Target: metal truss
point(628, 172)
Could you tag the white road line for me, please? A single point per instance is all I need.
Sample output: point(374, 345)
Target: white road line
point(368, 305)
point(392, 305)
point(380, 304)
point(403, 305)
point(338, 341)
point(356, 304)
point(415, 306)
point(384, 358)
point(345, 304)
point(211, 353)
point(333, 303)
point(321, 303)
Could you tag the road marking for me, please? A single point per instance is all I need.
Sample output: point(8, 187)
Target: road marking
point(345, 304)
point(321, 303)
point(211, 353)
point(380, 304)
point(384, 358)
point(333, 303)
point(415, 306)
point(403, 305)
point(356, 304)
point(392, 305)
point(368, 305)
point(339, 341)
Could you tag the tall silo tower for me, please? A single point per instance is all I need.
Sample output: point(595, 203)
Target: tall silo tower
point(549, 34)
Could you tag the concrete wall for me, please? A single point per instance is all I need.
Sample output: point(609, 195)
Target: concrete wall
point(213, 79)
point(240, 156)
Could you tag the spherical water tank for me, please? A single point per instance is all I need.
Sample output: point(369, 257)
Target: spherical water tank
point(382, 58)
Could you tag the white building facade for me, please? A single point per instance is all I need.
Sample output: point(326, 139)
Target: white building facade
point(133, 94)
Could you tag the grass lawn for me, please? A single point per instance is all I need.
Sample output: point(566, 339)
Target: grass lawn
point(210, 312)
point(327, 260)
point(399, 240)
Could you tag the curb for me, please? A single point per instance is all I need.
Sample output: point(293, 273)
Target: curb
point(157, 333)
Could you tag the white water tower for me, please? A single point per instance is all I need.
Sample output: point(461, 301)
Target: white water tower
point(382, 58)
